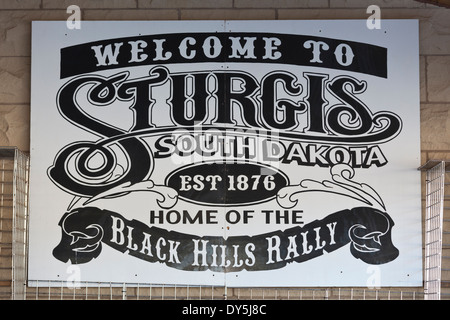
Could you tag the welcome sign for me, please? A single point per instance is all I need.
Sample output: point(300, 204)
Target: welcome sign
point(273, 153)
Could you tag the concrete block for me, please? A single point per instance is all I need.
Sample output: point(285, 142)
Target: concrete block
point(15, 126)
point(435, 126)
point(281, 3)
point(180, 4)
point(15, 29)
point(14, 80)
point(317, 14)
point(381, 3)
point(85, 4)
point(20, 4)
point(228, 14)
point(143, 14)
point(437, 155)
point(438, 79)
point(434, 30)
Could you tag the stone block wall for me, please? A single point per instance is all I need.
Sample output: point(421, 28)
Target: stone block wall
point(15, 47)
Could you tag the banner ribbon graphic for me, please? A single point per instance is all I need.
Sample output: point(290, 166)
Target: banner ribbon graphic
point(367, 230)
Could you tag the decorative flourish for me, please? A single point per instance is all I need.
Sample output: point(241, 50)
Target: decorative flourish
point(169, 195)
point(342, 184)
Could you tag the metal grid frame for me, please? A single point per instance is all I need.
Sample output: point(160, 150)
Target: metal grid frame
point(20, 226)
point(85, 290)
point(434, 214)
point(14, 167)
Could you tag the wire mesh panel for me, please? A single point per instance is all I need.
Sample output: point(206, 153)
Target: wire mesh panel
point(20, 229)
point(435, 179)
point(6, 221)
point(85, 290)
point(13, 222)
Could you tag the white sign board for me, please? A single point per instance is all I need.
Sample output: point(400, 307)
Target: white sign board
point(251, 153)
